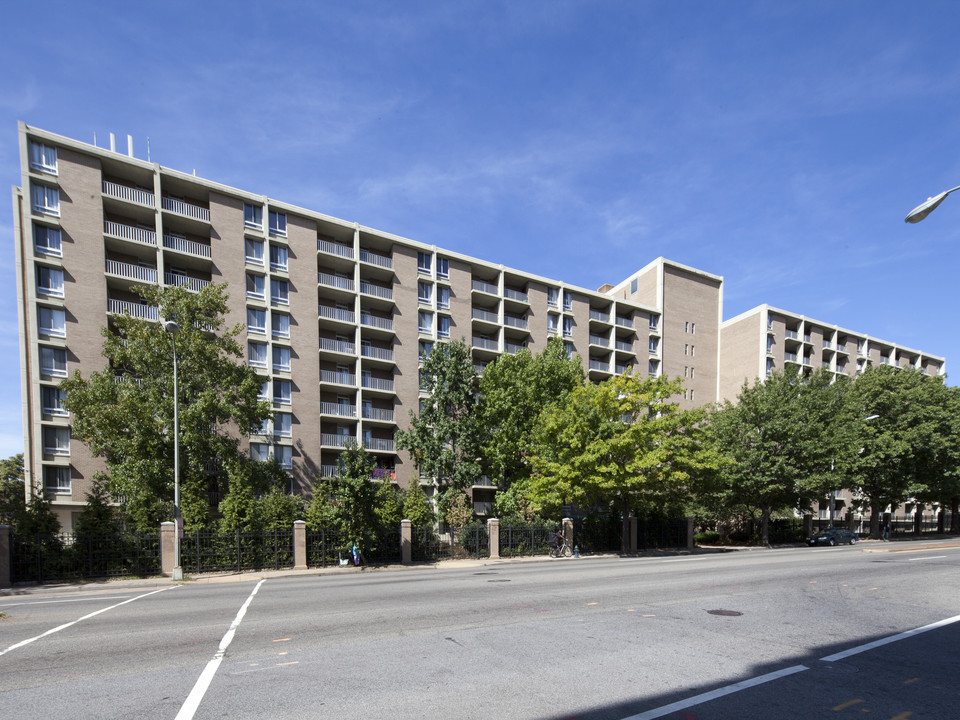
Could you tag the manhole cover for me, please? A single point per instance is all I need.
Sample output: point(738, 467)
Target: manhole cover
point(726, 613)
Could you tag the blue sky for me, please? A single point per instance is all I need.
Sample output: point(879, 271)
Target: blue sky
point(777, 144)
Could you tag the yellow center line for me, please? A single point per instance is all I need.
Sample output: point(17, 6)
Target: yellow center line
point(849, 703)
point(911, 680)
point(282, 640)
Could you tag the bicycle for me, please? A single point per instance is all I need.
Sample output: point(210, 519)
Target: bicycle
point(562, 550)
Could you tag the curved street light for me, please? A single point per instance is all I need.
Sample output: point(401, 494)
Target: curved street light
point(925, 208)
point(171, 327)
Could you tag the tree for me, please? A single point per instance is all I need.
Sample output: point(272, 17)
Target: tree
point(514, 390)
point(780, 438)
point(617, 444)
point(442, 438)
point(12, 493)
point(417, 508)
point(125, 412)
point(99, 518)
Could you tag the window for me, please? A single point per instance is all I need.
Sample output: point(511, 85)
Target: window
point(423, 262)
point(280, 292)
point(43, 158)
point(653, 367)
point(654, 324)
point(568, 347)
point(53, 361)
point(52, 322)
point(256, 320)
point(693, 328)
point(443, 297)
point(691, 394)
point(424, 321)
point(281, 358)
point(278, 257)
point(769, 322)
point(634, 286)
point(567, 327)
point(278, 223)
point(769, 343)
point(654, 346)
point(253, 216)
point(692, 373)
point(443, 267)
point(56, 441)
point(443, 326)
point(259, 452)
point(46, 200)
point(424, 291)
point(693, 350)
point(51, 401)
point(769, 366)
point(686, 349)
point(257, 355)
point(253, 251)
point(264, 393)
point(56, 479)
point(425, 348)
point(46, 240)
point(552, 294)
point(686, 327)
point(49, 281)
point(255, 284)
point(283, 455)
point(281, 392)
point(280, 324)
point(553, 323)
point(567, 300)
point(283, 424)
point(686, 371)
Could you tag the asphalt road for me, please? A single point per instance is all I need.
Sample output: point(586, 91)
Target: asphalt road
point(573, 638)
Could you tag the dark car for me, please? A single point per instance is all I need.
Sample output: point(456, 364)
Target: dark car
point(833, 536)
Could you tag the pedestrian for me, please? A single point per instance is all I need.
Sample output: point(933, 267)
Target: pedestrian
point(356, 555)
point(886, 530)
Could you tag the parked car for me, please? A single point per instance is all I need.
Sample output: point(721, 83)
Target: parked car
point(833, 536)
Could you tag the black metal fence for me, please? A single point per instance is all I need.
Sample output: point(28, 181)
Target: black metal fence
point(68, 557)
point(472, 542)
point(526, 539)
point(661, 533)
point(598, 534)
point(202, 551)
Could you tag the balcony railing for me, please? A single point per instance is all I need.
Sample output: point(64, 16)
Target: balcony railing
point(599, 315)
point(376, 321)
point(383, 444)
point(377, 353)
point(624, 346)
point(134, 195)
point(338, 346)
point(373, 383)
point(128, 232)
point(372, 413)
point(486, 287)
point(376, 259)
point(195, 284)
point(133, 272)
point(598, 340)
point(518, 295)
point(334, 313)
point(792, 334)
point(338, 378)
point(513, 348)
point(485, 343)
point(625, 322)
point(327, 471)
point(186, 209)
point(133, 309)
point(515, 322)
point(186, 246)
point(622, 369)
point(485, 315)
point(335, 440)
point(375, 290)
point(335, 281)
point(600, 365)
point(335, 248)
point(329, 408)
point(790, 357)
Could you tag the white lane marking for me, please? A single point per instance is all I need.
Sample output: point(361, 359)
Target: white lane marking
point(932, 557)
point(90, 598)
point(192, 702)
point(85, 617)
point(892, 638)
point(718, 693)
point(684, 559)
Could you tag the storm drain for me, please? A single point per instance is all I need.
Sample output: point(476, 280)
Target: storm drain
point(725, 613)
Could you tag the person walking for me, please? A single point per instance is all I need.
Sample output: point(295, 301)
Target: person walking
point(886, 529)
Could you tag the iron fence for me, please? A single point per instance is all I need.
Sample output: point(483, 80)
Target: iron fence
point(525, 539)
point(471, 542)
point(69, 557)
point(221, 552)
point(661, 533)
point(598, 533)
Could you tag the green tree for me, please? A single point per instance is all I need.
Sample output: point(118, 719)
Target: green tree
point(456, 508)
point(618, 443)
point(12, 492)
point(125, 412)
point(514, 390)
point(417, 508)
point(442, 438)
point(388, 505)
point(347, 501)
point(513, 506)
point(99, 518)
point(781, 438)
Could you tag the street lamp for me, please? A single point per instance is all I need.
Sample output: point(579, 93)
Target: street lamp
point(171, 327)
point(925, 208)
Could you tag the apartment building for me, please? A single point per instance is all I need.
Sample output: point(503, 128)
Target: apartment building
point(337, 315)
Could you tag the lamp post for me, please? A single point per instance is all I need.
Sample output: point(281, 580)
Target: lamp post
point(927, 207)
point(171, 327)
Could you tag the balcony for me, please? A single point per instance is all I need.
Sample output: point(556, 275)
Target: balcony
point(131, 272)
point(335, 281)
point(381, 444)
point(376, 290)
point(484, 287)
point(515, 322)
point(376, 353)
point(485, 316)
point(599, 316)
point(373, 258)
point(601, 365)
point(375, 321)
point(338, 346)
point(485, 344)
point(185, 209)
point(624, 346)
point(601, 341)
point(133, 309)
point(329, 408)
point(626, 322)
point(622, 369)
point(518, 295)
point(181, 244)
point(790, 357)
point(134, 195)
point(128, 232)
point(792, 335)
point(372, 383)
point(381, 414)
point(335, 248)
point(190, 283)
point(514, 348)
point(335, 377)
point(335, 439)
point(338, 314)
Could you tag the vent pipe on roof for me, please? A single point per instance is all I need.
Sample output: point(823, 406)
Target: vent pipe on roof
point(113, 142)
point(129, 145)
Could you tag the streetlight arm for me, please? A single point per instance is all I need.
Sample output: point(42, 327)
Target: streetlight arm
point(925, 208)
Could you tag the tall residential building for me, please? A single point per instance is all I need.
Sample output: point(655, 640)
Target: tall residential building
point(336, 314)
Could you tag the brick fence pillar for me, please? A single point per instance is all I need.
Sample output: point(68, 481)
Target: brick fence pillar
point(299, 545)
point(567, 525)
point(406, 542)
point(493, 537)
point(167, 549)
point(5, 556)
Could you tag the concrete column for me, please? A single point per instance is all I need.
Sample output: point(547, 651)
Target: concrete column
point(5, 556)
point(167, 550)
point(299, 545)
point(493, 535)
point(568, 531)
point(406, 542)
point(634, 523)
point(690, 532)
